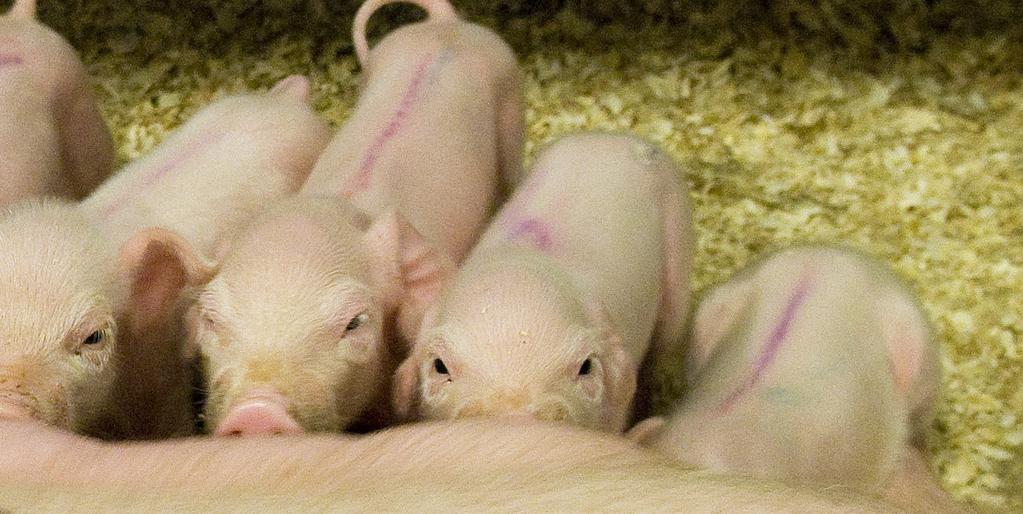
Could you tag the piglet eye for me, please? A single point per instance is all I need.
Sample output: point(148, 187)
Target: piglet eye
point(586, 367)
point(357, 322)
point(439, 367)
point(94, 338)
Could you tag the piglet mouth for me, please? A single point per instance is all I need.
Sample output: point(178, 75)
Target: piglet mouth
point(14, 407)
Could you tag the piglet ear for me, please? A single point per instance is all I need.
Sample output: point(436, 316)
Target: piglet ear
point(911, 352)
point(620, 369)
point(193, 325)
point(408, 269)
point(159, 264)
point(190, 347)
point(620, 377)
point(406, 387)
point(293, 86)
point(716, 316)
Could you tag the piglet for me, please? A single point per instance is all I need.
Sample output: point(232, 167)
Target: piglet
point(218, 170)
point(296, 331)
point(815, 364)
point(89, 332)
point(52, 138)
point(553, 312)
point(468, 465)
point(440, 115)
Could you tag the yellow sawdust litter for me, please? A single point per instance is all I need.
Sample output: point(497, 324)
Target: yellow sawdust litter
point(915, 158)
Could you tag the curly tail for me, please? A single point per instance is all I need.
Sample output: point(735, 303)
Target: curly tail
point(25, 9)
point(438, 10)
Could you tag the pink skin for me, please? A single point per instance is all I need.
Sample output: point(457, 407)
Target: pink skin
point(438, 131)
point(91, 323)
point(52, 137)
point(275, 138)
point(476, 465)
point(403, 190)
point(192, 151)
point(814, 364)
point(14, 411)
point(260, 412)
point(557, 306)
point(428, 67)
point(535, 232)
point(770, 347)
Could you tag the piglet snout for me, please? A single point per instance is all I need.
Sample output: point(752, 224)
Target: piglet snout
point(261, 413)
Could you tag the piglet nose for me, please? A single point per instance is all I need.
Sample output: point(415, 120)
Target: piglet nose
point(259, 415)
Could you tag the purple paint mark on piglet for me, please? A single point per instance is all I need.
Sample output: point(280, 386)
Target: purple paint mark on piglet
point(535, 231)
point(193, 148)
point(425, 72)
point(770, 348)
point(10, 60)
point(516, 206)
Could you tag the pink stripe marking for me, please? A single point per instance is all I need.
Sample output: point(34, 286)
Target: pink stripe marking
point(770, 349)
point(535, 231)
point(10, 59)
point(412, 93)
point(516, 205)
point(192, 149)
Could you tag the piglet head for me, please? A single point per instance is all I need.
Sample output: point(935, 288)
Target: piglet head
point(293, 332)
point(58, 381)
point(511, 344)
point(57, 330)
point(68, 296)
